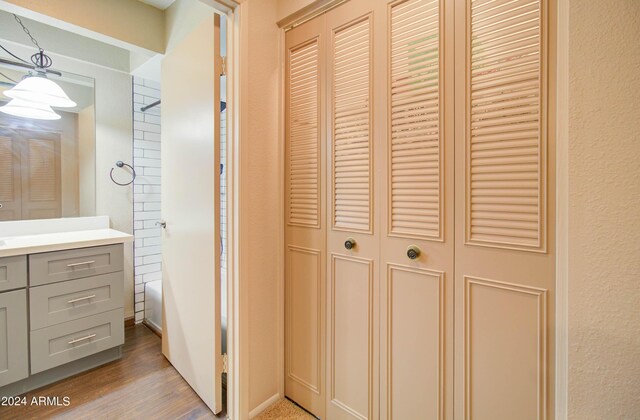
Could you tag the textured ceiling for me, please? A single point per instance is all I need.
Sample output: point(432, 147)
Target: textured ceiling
point(160, 4)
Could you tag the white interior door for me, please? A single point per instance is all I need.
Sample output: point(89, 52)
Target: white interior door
point(191, 338)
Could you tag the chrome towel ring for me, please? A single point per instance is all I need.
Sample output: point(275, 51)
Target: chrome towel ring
point(121, 164)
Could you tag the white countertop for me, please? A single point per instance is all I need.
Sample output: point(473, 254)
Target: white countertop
point(45, 242)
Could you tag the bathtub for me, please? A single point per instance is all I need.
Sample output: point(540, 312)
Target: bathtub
point(153, 310)
point(153, 304)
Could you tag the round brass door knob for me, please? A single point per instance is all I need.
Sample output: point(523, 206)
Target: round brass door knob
point(413, 252)
point(349, 244)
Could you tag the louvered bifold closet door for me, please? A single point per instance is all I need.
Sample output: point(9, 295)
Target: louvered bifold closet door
point(356, 131)
point(305, 218)
point(417, 294)
point(505, 201)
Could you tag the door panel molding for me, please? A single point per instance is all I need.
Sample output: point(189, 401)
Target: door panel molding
point(341, 401)
point(413, 345)
point(290, 290)
point(537, 321)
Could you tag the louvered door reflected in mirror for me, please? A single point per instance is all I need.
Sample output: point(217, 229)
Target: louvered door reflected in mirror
point(48, 167)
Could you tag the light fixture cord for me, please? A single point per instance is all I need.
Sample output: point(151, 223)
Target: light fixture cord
point(40, 59)
point(26, 31)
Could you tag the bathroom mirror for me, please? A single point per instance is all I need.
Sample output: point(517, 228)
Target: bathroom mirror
point(47, 167)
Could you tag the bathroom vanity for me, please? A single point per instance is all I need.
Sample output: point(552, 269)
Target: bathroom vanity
point(61, 304)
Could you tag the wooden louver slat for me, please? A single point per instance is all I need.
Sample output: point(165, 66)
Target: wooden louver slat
point(351, 120)
point(6, 169)
point(415, 150)
point(303, 136)
point(505, 157)
point(42, 169)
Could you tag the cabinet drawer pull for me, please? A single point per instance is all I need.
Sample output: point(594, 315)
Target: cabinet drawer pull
point(82, 339)
point(81, 263)
point(81, 299)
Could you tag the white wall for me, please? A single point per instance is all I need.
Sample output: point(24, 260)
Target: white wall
point(86, 160)
point(113, 142)
point(68, 124)
point(181, 17)
point(604, 215)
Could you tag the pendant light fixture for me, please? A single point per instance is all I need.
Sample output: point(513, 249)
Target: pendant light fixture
point(40, 90)
point(26, 109)
point(34, 95)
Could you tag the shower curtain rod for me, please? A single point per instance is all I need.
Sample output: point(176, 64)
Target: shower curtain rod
point(223, 106)
point(144, 108)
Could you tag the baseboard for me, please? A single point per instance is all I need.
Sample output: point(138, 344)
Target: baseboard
point(153, 328)
point(266, 404)
point(130, 321)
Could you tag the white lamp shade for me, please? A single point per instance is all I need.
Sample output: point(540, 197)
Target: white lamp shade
point(25, 109)
point(41, 90)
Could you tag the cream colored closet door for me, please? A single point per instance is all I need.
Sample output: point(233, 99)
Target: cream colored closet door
point(305, 217)
point(417, 244)
point(353, 236)
point(505, 200)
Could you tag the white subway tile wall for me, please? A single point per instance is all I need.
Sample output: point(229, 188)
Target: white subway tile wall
point(223, 199)
point(146, 189)
point(146, 192)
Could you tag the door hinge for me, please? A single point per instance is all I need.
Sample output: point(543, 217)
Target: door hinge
point(223, 66)
point(225, 363)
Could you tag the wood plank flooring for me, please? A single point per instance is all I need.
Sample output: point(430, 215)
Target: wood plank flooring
point(141, 385)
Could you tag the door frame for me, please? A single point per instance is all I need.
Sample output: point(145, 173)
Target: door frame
point(562, 210)
point(237, 304)
point(562, 186)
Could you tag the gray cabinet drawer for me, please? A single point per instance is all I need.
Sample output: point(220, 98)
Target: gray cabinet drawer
point(51, 267)
point(53, 304)
point(14, 362)
point(73, 340)
point(13, 272)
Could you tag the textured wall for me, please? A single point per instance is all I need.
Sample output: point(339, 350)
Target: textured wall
point(287, 7)
point(604, 215)
point(260, 196)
